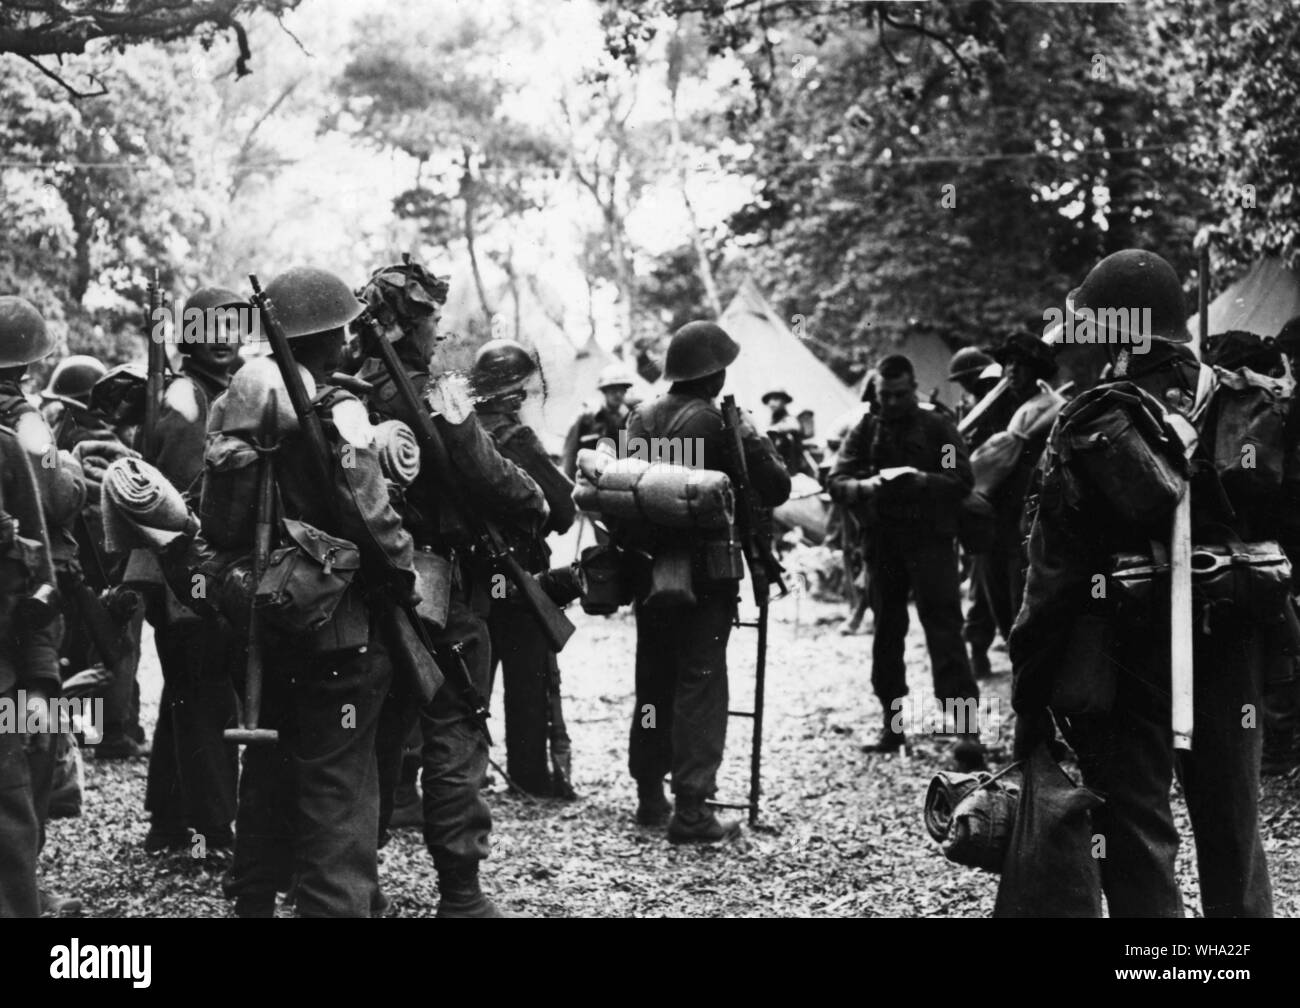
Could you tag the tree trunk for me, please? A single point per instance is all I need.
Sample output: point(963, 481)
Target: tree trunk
point(470, 201)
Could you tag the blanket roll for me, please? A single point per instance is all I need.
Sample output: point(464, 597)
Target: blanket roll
point(141, 507)
point(659, 494)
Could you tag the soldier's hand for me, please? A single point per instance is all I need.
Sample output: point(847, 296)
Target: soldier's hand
point(37, 717)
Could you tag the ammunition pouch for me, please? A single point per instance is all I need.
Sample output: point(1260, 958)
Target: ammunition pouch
point(433, 585)
point(605, 578)
point(24, 598)
point(723, 560)
point(670, 577)
point(306, 581)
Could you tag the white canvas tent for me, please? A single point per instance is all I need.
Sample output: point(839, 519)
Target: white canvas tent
point(1261, 302)
point(771, 356)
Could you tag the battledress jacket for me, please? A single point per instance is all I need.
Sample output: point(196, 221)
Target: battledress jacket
point(28, 658)
point(924, 439)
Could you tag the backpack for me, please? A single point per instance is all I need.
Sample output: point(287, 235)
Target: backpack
point(1243, 434)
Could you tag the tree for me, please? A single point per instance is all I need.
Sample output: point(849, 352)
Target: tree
point(434, 91)
point(33, 28)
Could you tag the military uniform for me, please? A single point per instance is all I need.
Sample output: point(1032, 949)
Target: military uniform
point(29, 660)
point(1124, 745)
point(911, 546)
point(679, 721)
point(62, 494)
point(588, 431)
point(530, 670)
point(457, 822)
point(192, 772)
point(76, 425)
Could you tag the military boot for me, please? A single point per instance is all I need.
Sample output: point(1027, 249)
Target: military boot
point(460, 895)
point(652, 807)
point(888, 740)
point(694, 822)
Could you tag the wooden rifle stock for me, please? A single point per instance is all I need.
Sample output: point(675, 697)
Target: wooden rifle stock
point(763, 568)
point(555, 625)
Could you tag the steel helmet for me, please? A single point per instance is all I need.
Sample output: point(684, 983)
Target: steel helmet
point(777, 393)
point(23, 336)
point(501, 366)
point(968, 362)
point(699, 349)
point(1023, 345)
point(1134, 280)
point(614, 376)
point(73, 378)
point(309, 301)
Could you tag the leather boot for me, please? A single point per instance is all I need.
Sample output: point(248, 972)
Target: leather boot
point(459, 894)
point(888, 740)
point(979, 664)
point(694, 822)
point(652, 807)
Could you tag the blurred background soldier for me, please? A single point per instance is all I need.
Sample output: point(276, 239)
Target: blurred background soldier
point(61, 494)
point(976, 373)
point(1115, 710)
point(906, 470)
point(81, 430)
point(786, 433)
point(192, 772)
point(603, 422)
point(405, 303)
point(309, 805)
point(1000, 573)
point(530, 671)
point(679, 723)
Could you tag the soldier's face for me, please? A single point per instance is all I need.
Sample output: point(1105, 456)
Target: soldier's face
point(614, 397)
point(897, 396)
point(425, 334)
point(1020, 375)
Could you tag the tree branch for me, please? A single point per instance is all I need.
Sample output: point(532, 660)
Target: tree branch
point(72, 92)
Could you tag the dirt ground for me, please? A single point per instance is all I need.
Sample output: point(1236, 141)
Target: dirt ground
point(841, 833)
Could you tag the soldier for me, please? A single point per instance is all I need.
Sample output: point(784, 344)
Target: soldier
point(1119, 726)
point(530, 671)
point(909, 517)
point(786, 433)
point(977, 374)
point(192, 772)
point(603, 422)
point(405, 304)
point(679, 723)
point(29, 662)
point(309, 805)
point(1026, 360)
point(61, 492)
point(79, 429)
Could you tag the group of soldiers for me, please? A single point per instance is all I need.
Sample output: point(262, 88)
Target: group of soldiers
point(357, 700)
point(1073, 564)
point(404, 612)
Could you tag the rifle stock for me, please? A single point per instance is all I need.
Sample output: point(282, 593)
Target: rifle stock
point(424, 669)
point(555, 625)
point(156, 358)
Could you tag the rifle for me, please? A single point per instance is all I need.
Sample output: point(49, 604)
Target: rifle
point(984, 405)
point(411, 634)
point(157, 368)
point(248, 732)
point(763, 571)
point(555, 625)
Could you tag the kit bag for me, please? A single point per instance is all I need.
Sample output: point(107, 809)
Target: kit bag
point(306, 579)
point(1245, 424)
point(1114, 441)
point(605, 579)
